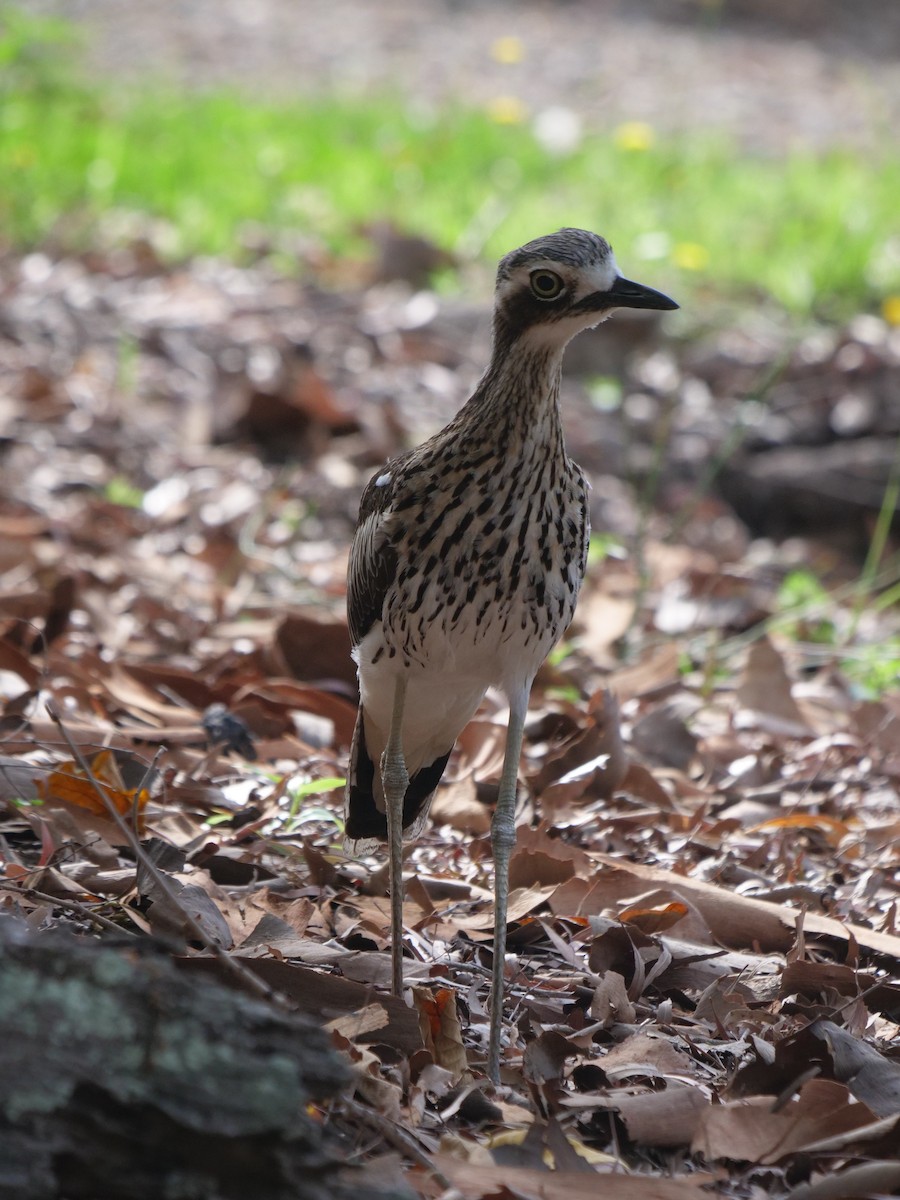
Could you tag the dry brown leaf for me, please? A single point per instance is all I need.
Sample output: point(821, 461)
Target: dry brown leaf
point(647, 1053)
point(868, 1179)
point(522, 901)
point(477, 1180)
point(480, 749)
point(833, 829)
point(457, 805)
point(736, 921)
point(312, 649)
point(545, 1057)
point(602, 619)
point(441, 1033)
point(639, 782)
point(610, 1004)
point(295, 912)
point(18, 663)
point(873, 1079)
point(536, 868)
point(666, 1118)
point(656, 669)
point(374, 912)
point(655, 920)
point(765, 692)
point(99, 790)
point(750, 1131)
point(662, 735)
point(356, 1025)
point(382, 1094)
point(326, 997)
point(539, 840)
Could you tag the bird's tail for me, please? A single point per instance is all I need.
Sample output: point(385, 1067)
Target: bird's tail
point(365, 818)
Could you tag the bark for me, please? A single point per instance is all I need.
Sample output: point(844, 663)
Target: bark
point(124, 1078)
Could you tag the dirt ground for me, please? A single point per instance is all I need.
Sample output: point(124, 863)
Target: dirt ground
point(814, 72)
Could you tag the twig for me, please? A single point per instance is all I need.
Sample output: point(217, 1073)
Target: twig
point(13, 885)
point(397, 1136)
point(230, 965)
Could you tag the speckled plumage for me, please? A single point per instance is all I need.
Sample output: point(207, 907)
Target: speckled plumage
point(469, 555)
point(466, 566)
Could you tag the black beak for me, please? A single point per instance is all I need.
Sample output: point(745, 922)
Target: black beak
point(625, 293)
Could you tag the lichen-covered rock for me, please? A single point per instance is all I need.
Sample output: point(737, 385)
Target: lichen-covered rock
point(123, 1077)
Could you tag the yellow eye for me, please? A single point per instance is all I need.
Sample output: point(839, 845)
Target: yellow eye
point(546, 285)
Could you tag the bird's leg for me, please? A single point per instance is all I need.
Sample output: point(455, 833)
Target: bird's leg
point(503, 838)
point(395, 780)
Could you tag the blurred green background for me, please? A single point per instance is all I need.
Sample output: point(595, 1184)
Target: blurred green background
point(730, 154)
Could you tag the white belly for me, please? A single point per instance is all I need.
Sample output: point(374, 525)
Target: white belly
point(440, 701)
point(478, 599)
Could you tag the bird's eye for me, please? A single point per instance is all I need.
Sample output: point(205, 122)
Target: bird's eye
point(546, 285)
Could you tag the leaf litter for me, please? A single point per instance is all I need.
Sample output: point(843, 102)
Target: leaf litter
point(703, 965)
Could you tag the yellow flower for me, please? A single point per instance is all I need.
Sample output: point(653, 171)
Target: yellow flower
point(690, 256)
point(634, 135)
point(508, 50)
point(890, 309)
point(507, 110)
point(23, 156)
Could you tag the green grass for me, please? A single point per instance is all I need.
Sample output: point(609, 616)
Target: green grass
point(826, 624)
point(818, 233)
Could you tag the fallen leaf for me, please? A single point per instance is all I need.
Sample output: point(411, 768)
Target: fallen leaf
point(654, 920)
point(873, 1079)
point(833, 829)
point(765, 692)
point(355, 1025)
point(610, 1004)
point(99, 789)
point(666, 1118)
point(441, 1034)
point(751, 1131)
point(477, 1180)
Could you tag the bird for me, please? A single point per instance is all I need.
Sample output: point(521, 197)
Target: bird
point(466, 565)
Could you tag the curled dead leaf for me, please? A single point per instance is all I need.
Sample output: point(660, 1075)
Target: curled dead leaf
point(654, 920)
point(99, 790)
point(610, 1004)
point(441, 1033)
point(833, 830)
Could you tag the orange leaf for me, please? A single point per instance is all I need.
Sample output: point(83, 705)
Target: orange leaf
point(71, 784)
point(654, 920)
point(833, 829)
point(433, 1005)
point(439, 1023)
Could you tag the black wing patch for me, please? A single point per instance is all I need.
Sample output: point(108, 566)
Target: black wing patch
point(364, 819)
point(373, 559)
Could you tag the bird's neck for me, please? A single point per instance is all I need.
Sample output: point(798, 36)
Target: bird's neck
point(516, 404)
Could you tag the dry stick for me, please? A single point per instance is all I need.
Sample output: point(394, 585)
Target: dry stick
point(397, 1136)
point(231, 965)
point(65, 902)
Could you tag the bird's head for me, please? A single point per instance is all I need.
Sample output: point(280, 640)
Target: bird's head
point(558, 285)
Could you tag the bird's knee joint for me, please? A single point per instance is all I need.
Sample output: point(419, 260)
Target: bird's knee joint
point(394, 776)
point(503, 835)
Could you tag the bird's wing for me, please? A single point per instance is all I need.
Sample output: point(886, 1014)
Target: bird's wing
point(373, 559)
